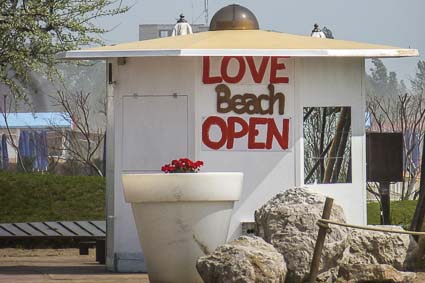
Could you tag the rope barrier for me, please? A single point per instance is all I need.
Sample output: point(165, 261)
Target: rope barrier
point(325, 222)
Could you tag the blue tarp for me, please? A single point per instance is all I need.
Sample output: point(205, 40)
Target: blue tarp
point(33, 146)
point(4, 152)
point(36, 120)
point(44, 152)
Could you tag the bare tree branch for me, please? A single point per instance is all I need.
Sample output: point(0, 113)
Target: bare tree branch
point(83, 143)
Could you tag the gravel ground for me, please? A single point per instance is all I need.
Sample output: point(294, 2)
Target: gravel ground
point(43, 252)
point(57, 265)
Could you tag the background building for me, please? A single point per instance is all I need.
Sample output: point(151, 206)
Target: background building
point(151, 31)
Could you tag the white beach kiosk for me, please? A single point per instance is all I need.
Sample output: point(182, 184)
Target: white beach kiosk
point(239, 99)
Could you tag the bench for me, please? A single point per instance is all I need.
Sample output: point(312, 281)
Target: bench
point(88, 233)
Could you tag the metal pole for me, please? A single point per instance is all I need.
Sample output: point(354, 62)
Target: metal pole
point(384, 190)
point(323, 229)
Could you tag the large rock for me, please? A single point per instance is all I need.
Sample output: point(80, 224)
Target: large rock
point(373, 273)
point(288, 222)
point(371, 247)
point(245, 260)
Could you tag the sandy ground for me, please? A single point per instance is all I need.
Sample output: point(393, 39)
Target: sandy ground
point(58, 265)
point(66, 265)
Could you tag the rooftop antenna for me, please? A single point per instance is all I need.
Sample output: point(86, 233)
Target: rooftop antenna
point(206, 12)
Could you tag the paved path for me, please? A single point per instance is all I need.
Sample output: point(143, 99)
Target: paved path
point(48, 266)
point(65, 265)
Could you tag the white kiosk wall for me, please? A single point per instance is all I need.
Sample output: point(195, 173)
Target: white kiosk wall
point(159, 108)
point(336, 82)
point(152, 101)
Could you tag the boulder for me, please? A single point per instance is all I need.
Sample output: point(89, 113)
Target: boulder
point(244, 260)
point(288, 222)
point(371, 247)
point(328, 276)
point(373, 273)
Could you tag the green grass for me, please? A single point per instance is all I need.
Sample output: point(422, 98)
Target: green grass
point(36, 197)
point(401, 212)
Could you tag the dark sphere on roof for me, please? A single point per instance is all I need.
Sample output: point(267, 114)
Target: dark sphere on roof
point(234, 17)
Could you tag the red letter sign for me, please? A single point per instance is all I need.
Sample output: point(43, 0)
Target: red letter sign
point(257, 75)
point(225, 66)
point(274, 79)
point(232, 121)
point(206, 126)
point(206, 79)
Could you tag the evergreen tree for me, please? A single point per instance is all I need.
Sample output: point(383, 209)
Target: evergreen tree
point(379, 72)
point(380, 82)
point(418, 83)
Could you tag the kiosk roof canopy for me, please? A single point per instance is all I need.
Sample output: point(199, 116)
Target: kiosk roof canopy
point(241, 42)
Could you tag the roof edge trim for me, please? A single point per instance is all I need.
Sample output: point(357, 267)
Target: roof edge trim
point(95, 54)
point(366, 53)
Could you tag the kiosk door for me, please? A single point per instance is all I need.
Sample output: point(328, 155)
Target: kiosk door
point(155, 131)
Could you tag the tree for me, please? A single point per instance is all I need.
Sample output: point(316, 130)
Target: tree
point(379, 73)
point(4, 113)
point(32, 32)
point(84, 142)
point(418, 85)
point(327, 144)
point(394, 108)
point(380, 82)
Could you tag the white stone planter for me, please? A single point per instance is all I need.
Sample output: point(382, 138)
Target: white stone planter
point(179, 217)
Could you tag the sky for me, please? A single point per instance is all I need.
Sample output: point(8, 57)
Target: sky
point(390, 22)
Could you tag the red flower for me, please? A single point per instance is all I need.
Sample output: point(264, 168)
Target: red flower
point(183, 165)
point(199, 163)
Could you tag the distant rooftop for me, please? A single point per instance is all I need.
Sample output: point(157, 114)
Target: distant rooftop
point(152, 31)
point(36, 120)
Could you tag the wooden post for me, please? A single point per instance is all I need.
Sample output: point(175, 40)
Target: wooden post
point(323, 228)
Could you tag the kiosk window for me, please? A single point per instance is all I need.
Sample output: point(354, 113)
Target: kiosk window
point(327, 145)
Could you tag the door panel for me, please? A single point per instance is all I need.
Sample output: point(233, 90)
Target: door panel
point(155, 130)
